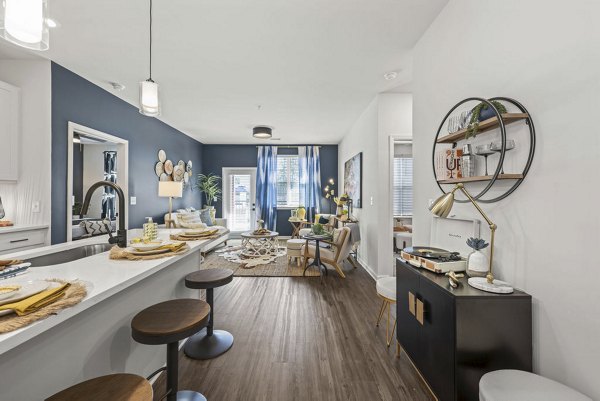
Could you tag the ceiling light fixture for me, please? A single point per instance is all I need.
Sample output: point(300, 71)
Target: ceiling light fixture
point(149, 101)
point(262, 132)
point(24, 23)
point(390, 75)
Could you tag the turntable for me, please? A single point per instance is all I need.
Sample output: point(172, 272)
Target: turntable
point(449, 233)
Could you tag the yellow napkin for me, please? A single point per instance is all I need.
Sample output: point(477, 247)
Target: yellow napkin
point(37, 301)
point(173, 246)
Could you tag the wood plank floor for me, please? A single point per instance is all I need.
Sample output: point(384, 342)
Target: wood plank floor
point(300, 339)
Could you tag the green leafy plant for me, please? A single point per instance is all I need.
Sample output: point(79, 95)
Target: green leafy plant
point(473, 127)
point(477, 243)
point(211, 186)
point(318, 229)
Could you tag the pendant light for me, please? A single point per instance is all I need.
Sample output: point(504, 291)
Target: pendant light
point(24, 23)
point(149, 101)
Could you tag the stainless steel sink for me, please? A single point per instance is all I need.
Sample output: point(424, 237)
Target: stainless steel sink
point(69, 255)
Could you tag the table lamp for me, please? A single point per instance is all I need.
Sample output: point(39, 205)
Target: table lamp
point(170, 189)
point(441, 208)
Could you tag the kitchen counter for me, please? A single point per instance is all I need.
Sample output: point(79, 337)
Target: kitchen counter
point(97, 327)
point(18, 228)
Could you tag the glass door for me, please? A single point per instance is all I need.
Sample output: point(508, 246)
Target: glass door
point(239, 197)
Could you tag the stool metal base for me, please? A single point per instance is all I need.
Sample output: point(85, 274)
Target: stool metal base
point(201, 346)
point(187, 395)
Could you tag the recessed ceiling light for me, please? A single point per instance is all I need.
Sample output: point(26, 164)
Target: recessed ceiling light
point(262, 132)
point(390, 75)
point(117, 86)
point(51, 23)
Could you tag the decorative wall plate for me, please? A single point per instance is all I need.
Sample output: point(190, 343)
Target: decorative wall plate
point(189, 166)
point(178, 173)
point(164, 177)
point(186, 177)
point(182, 164)
point(162, 155)
point(158, 168)
point(168, 167)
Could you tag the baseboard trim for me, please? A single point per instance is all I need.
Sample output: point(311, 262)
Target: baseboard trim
point(367, 268)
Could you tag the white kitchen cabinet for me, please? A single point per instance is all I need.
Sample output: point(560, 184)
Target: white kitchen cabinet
point(10, 115)
point(20, 238)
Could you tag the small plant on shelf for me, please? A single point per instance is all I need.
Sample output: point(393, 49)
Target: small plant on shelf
point(477, 112)
point(477, 243)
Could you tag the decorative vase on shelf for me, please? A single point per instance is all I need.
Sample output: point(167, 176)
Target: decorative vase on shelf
point(477, 261)
point(301, 212)
point(477, 264)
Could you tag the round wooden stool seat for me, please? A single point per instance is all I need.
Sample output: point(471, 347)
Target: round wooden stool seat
point(170, 321)
point(117, 387)
point(208, 278)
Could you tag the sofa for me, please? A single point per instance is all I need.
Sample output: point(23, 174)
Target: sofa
point(220, 223)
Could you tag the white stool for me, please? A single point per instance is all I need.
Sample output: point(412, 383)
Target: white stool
point(386, 289)
point(294, 249)
point(518, 385)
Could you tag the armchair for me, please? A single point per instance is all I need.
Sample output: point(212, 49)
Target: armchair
point(308, 225)
point(333, 256)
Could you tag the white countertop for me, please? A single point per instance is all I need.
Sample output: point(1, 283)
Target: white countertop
point(18, 227)
point(105, 277)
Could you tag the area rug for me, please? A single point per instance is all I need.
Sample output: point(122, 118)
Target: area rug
point(278, 268)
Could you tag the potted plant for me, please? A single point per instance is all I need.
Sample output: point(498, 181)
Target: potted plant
point(477, 262)
point(210, 185)
point(482, 112)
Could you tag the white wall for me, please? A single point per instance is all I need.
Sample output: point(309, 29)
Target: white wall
point(387, 115)
point(547, 56)
point(34, 79)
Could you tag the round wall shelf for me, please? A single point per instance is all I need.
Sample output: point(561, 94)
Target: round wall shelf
point(499, 121)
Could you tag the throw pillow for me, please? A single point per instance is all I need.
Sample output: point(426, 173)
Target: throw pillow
point(205, 217)
point(336, 239)
point(323, 220)
point(189, 220)
point(94, 227)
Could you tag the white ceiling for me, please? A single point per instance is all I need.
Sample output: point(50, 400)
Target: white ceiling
point(313, 65)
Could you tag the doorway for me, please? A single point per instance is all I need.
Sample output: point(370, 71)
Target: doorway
point(94, 156)
point(239, 197)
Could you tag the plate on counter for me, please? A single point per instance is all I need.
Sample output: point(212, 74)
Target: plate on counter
point(28, 288)
point(158, 251)
point(146, 246)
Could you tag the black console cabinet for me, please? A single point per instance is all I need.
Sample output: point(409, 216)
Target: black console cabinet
point(455, 336)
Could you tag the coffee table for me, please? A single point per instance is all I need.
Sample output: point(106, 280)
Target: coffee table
point(260, 245)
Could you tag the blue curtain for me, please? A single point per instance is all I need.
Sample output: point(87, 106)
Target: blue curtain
point(266, 186)
point(309, 166)
point(109, 208)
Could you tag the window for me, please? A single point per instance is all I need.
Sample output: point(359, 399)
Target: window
point(403, 186)
point(288, 178)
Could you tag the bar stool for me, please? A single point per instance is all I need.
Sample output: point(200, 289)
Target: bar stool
point(116, 387)
point(208, 343)
point(168, 323)
point(386, 289)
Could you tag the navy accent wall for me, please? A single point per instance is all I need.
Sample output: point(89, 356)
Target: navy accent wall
point(80, 101)
point(215, 157)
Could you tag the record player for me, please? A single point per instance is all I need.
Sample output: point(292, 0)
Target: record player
point(449, 233)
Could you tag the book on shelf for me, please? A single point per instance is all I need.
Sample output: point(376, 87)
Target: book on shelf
point(447, 164)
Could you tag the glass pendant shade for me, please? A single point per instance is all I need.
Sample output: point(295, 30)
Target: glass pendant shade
point(23, 22)
point(149, 102)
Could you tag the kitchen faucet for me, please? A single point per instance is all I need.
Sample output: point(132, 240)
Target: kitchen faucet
point(121, 238)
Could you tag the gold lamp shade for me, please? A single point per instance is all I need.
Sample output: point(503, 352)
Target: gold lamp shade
point(443, 205)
